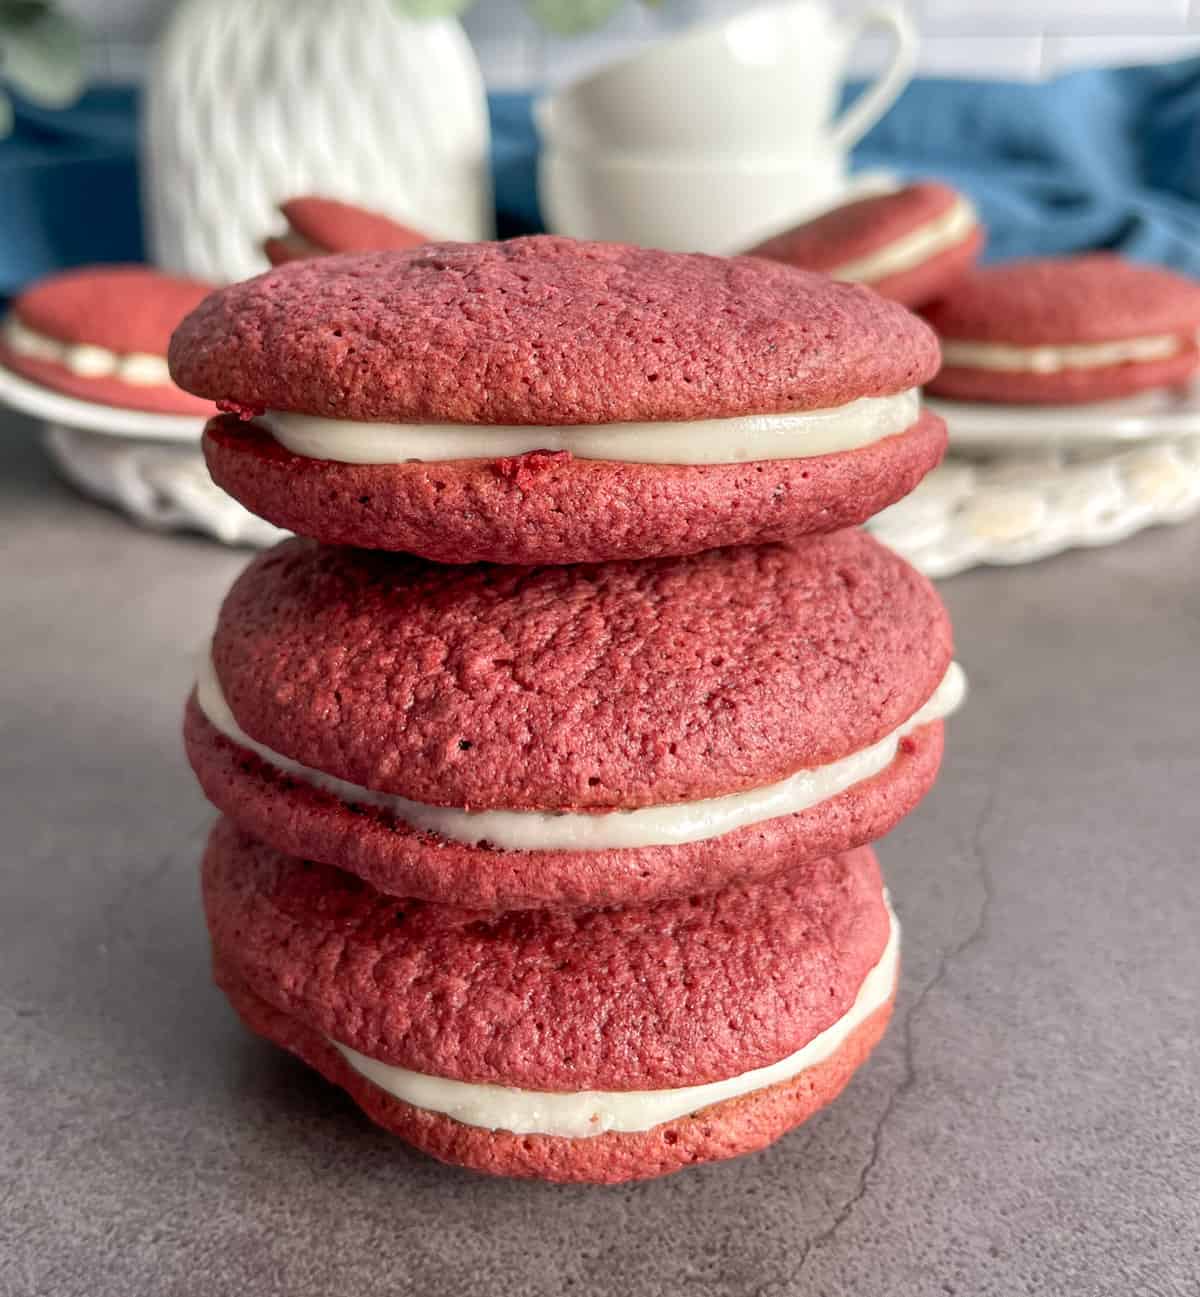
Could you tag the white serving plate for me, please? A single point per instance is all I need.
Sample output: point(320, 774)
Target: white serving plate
point(983, 426)
point(55, 407)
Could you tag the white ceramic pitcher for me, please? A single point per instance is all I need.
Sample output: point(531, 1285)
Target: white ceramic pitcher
point(765, 82)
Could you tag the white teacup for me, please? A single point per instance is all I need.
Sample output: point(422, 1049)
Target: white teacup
point(766, 81)
point(683, 205)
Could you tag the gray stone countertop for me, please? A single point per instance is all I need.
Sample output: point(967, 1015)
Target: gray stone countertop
point(1031, 1124)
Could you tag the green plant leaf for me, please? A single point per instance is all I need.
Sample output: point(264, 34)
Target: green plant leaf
point(22, 11)
point(431, 8)
point(570, 17)
point(42, 56)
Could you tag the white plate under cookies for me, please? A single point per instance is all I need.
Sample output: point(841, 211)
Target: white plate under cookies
point(985, 426)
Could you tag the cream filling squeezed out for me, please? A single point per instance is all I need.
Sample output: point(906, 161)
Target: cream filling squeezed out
point(677, 822)
point(592, 1112)
point(1053, 359)
point(749, 438)
point(137, 368)
point(915, 247)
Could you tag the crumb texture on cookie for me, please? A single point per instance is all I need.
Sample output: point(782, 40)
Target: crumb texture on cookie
point(556, 508)
point(675, 993)
point(1097, 297)
point(612, 685)
point(670, 824)
point(546, 330)
point(584, 1114)
point(726, 1130)
point(300, 819)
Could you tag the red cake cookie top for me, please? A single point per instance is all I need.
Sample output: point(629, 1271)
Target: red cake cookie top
point(591, 686)
point(1092, 298)
point(124, 309)
point(545, 330)
point(651, 997)
point(844, 234)
point(343, 227)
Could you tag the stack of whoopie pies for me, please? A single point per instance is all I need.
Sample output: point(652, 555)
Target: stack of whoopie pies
point(548, 803)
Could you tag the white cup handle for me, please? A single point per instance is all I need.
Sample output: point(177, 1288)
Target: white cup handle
point(876, 99)
point(543, 114)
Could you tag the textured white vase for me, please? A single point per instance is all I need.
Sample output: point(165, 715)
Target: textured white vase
point(250, 102)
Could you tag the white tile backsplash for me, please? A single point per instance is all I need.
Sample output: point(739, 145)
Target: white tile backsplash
point(1022, 39)
point(1063, 52)
point(1040, 16)
point(1010, 57)
point(992, 38)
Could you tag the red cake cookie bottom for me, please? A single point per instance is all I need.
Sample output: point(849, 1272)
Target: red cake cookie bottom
point(1068, 387)
point(725, 1130)
point(302, 820)
point(552, 508)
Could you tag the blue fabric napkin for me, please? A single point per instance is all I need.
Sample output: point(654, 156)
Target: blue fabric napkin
point(1095, 159)
point(69, 188)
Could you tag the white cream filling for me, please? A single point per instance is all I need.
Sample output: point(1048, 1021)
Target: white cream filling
point(592, 1112)
point(137, 368)
point(749, 438)
point(1052, 359)
point(647, 826)
point(918, 245)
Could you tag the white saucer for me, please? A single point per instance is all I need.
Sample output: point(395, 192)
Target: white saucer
point(981, 425)
point(44, 403)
